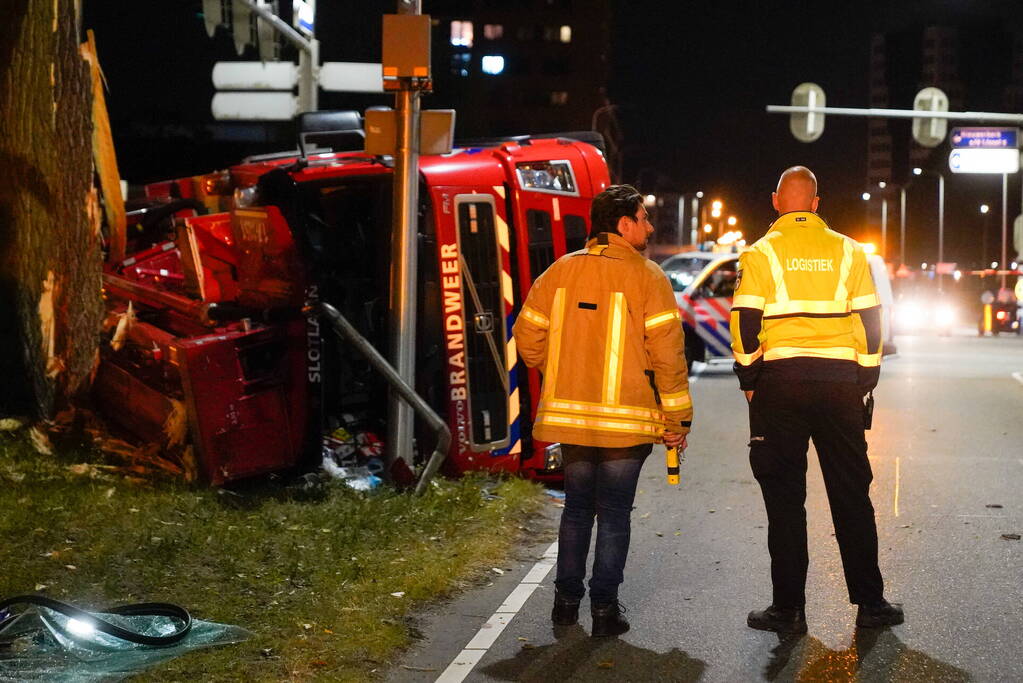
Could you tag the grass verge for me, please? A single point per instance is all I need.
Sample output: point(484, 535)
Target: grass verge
point(314, 580)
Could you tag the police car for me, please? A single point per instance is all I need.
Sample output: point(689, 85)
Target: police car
point(704, 285)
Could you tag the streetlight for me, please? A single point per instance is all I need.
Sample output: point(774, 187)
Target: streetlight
point(985, 211)
point(941, 218)
point(732, 220)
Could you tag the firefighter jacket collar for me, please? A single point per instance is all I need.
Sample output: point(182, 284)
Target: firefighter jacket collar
point(798, 219)
point(609, 240)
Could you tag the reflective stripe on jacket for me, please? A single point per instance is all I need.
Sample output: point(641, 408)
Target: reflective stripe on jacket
point(809, 283)
point(603, 326)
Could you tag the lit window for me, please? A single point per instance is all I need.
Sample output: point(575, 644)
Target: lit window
point(559, 97)
point(461, 33)
point(493, 31)
point(566, 34)
point(460, 64)
point(492, 64)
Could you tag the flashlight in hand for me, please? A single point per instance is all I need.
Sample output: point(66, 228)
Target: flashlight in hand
point(671, 459)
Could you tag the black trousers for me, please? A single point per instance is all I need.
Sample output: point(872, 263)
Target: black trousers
point(784, 416)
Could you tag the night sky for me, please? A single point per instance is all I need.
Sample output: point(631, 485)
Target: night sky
point(693, 80)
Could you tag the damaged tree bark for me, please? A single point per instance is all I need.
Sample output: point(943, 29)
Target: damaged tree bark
point(50, 253)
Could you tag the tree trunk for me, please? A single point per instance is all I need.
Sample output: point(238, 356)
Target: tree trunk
point(50, 255)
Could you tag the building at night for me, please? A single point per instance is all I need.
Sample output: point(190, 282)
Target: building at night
point(511, 68)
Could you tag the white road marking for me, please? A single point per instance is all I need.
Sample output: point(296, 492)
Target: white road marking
point(1018, 376)
point(896, 486)
point(466, 660)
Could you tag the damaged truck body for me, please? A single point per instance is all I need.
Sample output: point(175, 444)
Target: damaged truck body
point(221, 353)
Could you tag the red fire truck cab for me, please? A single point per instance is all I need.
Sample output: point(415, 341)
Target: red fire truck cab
point(225, 354)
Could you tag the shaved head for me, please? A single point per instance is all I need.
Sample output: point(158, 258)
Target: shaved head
point(797, 191)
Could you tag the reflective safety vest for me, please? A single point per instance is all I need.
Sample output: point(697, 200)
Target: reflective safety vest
point(809, 281)
point(603, 326)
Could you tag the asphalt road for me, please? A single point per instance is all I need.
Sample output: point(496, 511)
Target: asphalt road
point(947, 454)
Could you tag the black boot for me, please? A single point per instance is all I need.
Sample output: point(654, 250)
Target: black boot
point(565, 612)
point(608, 619)
point(883, 613)
point(778, 619)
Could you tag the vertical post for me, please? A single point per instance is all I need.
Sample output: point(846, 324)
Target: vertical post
point(884, 228)
point(404, 247)
point(680, 232)
point(694, 222)
point(902, 225)
point(1003, 265)
point(941, 227)
point(308, 77)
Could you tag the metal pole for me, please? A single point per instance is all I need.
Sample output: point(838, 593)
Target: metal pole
point(902, 225)
point(680, 232)
point(308, 77)
point(404, 246)
point(987, 116)
point(694, 230)
point(941, 228)
point(884, 228)
point(1003, 264)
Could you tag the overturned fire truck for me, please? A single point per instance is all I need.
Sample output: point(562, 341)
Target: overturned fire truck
point(218, 352)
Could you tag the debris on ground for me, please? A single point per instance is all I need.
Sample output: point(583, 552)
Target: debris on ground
point(1011, 537)
point(996, 506)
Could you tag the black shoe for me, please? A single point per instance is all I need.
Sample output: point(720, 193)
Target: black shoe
point(778, 619)
point(565, 612)
point(883, 613)
point(608, 619)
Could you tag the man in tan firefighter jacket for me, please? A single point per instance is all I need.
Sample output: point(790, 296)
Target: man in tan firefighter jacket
point(806, 331)
point(603, 326)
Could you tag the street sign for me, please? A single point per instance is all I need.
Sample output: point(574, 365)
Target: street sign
point(254, 75)
point(254, 106)
point(241, 26)
point(975, 160)
point(303, 16)
point(352, 77)
point(807, 127)
point(930, 132)
point(212, 15)
point(985, 138)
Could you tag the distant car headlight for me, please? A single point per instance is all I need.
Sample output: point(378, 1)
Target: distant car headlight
point(909, 315)
point(945, 316)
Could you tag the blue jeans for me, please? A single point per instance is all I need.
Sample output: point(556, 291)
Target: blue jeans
point(601, 483)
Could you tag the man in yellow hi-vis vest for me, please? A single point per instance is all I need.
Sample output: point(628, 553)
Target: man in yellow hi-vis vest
point(603, 325)
point(806, 335)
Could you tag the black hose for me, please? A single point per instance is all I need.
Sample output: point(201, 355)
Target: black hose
point(159, 609)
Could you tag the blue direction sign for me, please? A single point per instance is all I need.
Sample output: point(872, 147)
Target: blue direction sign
point(985, 138)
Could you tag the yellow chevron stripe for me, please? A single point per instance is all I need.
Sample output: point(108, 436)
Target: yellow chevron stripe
point(506, 288)
point(499, 191)
point(511, 353)
point(502, 231)
point(513, 406)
